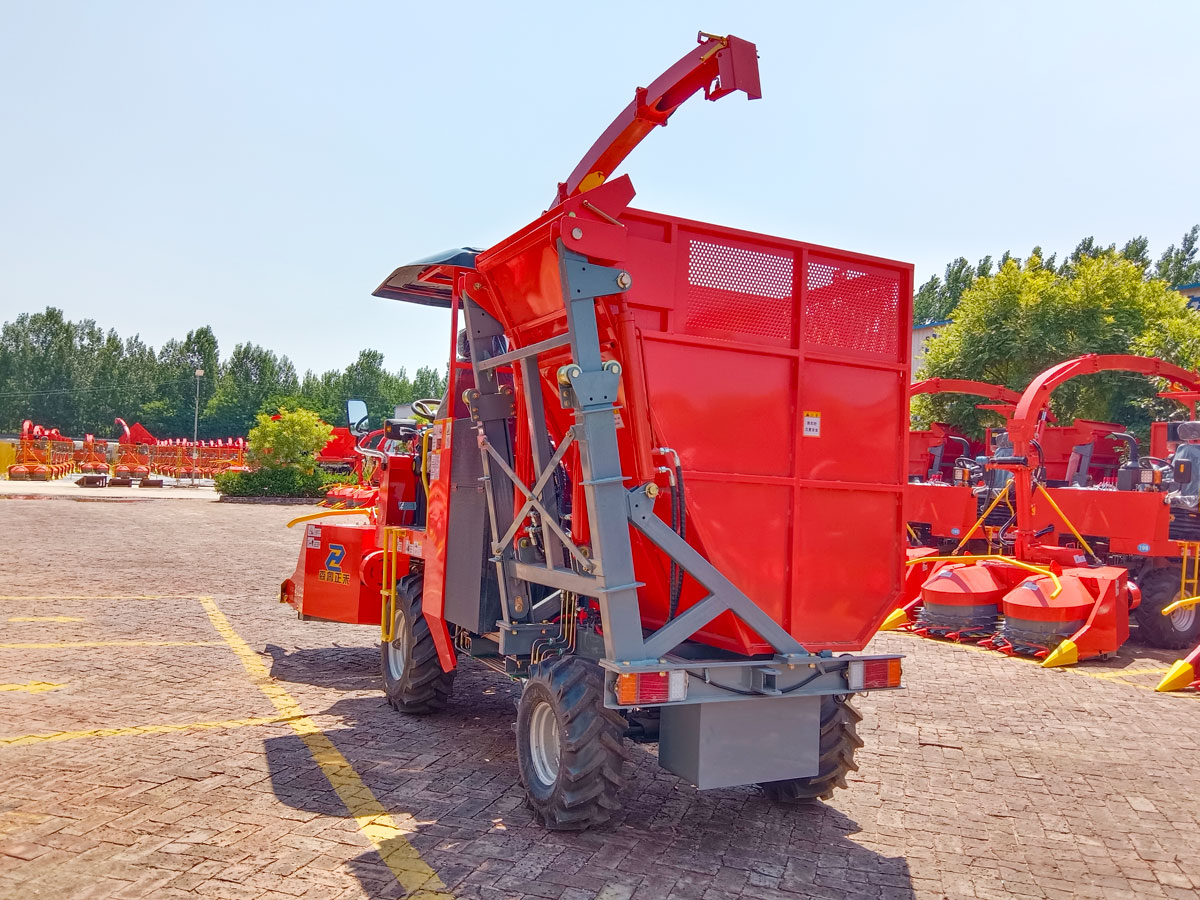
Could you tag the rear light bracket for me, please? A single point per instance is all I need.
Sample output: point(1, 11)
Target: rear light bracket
point(722, 681)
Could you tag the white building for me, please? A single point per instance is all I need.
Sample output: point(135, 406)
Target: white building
point(921, 335)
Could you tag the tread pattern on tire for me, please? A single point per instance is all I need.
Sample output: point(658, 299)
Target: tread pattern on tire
point(592, 747)
point(839, 740)
point(1159, 588)
point(424, 687)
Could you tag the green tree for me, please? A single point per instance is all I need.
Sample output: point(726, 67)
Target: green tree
point(937, 298)
point(1179, 265)
point(172, 406)
point(250, 378)
point(428, 383)
point(38, 370)
point(292, 439)
point(1015, 324)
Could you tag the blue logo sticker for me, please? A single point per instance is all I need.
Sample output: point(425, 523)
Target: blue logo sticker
point(1143, 548)
point(333, 562)
point(955, 531)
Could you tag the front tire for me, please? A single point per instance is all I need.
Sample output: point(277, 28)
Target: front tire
point(1174, 632)
point(570, 749)
point(413, 679)
point(839, 740)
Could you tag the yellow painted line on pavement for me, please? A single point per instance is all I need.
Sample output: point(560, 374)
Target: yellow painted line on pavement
point(21, 740)
point(69, 645)
point(44, 619)
point(97, 596)
point(388, 837)
point(1121, 673)
point(32, 687)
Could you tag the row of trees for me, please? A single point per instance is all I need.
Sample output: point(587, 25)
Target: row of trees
point(77, 377)
point(1014, 322)
point(938, 297)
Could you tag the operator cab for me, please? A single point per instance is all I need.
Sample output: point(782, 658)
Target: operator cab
point(1185, 468)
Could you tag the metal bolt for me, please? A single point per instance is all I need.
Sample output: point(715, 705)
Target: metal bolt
point(624, 281)
point(577, 233)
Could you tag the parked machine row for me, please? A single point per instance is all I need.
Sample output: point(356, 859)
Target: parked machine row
point(135, 455)
point(1046, 537)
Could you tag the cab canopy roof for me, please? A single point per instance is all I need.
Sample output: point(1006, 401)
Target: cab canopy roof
point(429, 281)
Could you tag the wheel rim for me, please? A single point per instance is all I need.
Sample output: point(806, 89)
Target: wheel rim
point(1183, 619)
point(544, 748)
point(397, 653)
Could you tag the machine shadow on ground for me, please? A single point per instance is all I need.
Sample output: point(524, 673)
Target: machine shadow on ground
point(339, 668)
point(455, 774)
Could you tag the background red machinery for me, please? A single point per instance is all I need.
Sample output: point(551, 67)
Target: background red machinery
point(133, 452)
point(338, 455)
point(938, 510)
point(933, 450)
point(91, 456)
point(541, 525)
point(1082, 540)
point(203, 459)
point(42, 454)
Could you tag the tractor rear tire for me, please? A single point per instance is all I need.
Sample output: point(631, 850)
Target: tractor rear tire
point(839, 740)
point(413, 679)
point(570, 749)
point(1174, 632)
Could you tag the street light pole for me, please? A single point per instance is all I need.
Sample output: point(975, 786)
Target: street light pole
point(196, 428)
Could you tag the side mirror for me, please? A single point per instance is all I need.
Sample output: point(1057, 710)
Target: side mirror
point(1181, 472)
point(356, 417)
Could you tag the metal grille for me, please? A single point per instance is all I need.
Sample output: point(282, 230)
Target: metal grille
point(849, 308)
point(748, 292)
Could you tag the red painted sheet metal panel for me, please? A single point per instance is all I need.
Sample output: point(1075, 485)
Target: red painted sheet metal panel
point(1135, 522)
point(948, 510)
point(332, 587)
point(779, 371)
point(437, 527)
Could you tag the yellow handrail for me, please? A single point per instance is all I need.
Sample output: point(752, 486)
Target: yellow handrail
point(1185, 603)
point(987, 512)
point(387, 614)
point(425, 438)
point(364, 511)
point(1029, 567)
point(1063, 516)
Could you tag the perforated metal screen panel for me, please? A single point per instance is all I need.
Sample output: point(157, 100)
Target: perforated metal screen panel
point(747, 292)
point(853, 309)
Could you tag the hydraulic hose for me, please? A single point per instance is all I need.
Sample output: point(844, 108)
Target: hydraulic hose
point(679, 513)
point(678, 525)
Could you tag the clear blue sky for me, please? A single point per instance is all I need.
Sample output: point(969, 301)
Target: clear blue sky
point(260, 167)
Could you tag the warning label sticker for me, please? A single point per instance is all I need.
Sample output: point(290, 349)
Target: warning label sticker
point(312, 540)
point(812, 423)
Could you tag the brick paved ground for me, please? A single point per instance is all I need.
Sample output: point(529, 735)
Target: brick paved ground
point(987, 778)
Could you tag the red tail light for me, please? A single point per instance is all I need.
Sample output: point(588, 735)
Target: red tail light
point(640, 688)
point(873, 674)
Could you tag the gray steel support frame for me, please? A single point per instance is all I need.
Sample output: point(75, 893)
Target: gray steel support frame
point(590, 386)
